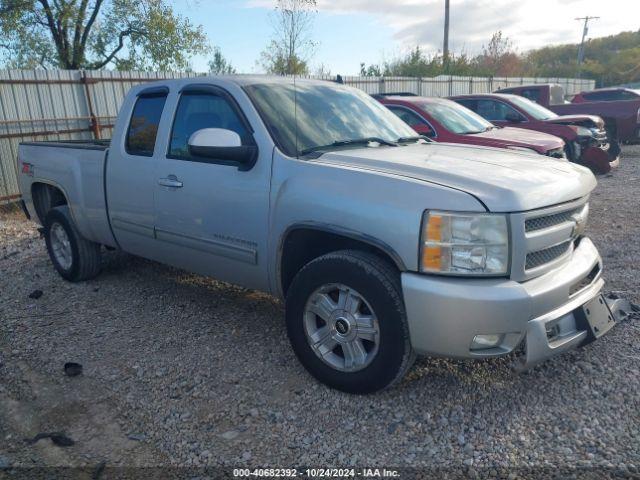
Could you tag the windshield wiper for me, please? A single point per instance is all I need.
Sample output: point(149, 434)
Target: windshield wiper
point(415, 138)
point(354, 141)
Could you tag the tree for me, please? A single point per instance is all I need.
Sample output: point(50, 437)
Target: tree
point(499, 57)
point(93, 34)
point(219, 65)
point(372, 70)
point(611, 60)
point(291, 47)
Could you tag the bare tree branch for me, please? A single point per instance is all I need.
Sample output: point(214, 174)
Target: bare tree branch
point(89, 25)
point(54, 28)
point(112, 55)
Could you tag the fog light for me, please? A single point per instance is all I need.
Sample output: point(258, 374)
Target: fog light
point(484, 342)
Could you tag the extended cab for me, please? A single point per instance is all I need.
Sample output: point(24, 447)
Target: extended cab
point(383, 245)
point(618, 107)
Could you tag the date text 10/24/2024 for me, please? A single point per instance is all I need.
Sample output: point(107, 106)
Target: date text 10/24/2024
point(316, 473)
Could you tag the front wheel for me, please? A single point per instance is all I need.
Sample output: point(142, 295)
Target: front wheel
point(74, 257)
point(347, 323)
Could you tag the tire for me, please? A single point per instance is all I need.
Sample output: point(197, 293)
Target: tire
point(380, 363)
point(82, 259)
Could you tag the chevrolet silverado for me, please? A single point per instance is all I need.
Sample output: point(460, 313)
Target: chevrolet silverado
point(382, 244)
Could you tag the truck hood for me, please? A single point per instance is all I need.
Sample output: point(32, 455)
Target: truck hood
point(542, 142)
point(589, 121)
point(503, 180)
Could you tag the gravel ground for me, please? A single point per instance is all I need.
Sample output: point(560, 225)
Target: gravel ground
point(181, 370)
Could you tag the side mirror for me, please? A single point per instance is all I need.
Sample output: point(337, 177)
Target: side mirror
point(513, 117)
point(223, 145)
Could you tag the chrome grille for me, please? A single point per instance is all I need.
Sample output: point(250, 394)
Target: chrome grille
point(543, 239)
point(536, 259)
point(547, 221)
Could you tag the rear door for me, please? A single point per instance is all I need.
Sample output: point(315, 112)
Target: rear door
point(131, 171)
point(211, 215)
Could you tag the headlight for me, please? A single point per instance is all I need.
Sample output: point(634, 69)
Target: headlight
point(464, 244)
point(581, 131)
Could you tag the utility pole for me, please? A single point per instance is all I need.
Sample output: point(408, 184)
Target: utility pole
point(585, 31)
point(445, 46)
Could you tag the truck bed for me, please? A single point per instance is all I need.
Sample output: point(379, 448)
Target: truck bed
point(76, 168)
point(82, 144)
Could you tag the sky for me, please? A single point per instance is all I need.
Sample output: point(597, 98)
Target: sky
point(349, 32)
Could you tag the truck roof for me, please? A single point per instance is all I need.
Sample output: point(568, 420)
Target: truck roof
point(240, 80)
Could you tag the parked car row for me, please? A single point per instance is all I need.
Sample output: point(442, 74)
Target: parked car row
point(508, 121)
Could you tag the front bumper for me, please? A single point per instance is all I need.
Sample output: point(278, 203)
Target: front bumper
point(445, 313)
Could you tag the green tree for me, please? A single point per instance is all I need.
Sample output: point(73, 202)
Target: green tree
point(611, 60)
point(219, 65)
point(416, 63)
point(93, 34)
point(291, 47)
point(372, 70)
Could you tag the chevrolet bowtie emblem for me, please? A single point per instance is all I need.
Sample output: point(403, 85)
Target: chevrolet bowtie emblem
point(579, 221)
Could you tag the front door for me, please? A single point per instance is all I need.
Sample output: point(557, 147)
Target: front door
point(211, 216)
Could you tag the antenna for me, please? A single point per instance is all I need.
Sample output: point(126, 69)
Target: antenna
point(295, 110)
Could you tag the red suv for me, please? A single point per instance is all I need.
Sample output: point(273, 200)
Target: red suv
point(446, 121)
point(584, 135)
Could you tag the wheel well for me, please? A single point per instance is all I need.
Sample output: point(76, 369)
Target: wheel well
point(304, 244)
point(45, 197)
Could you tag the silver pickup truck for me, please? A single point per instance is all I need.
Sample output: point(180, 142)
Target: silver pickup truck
point(382, 244)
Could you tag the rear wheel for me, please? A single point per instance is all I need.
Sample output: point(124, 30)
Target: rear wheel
point(347, 324)
point(74, 257)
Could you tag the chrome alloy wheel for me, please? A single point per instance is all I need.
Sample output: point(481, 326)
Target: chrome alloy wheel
point(341, 327)
point(61, 246)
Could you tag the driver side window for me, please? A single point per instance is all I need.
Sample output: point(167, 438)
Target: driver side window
point(407, 116)
point(497, 111)
point(202, 110)
point(412, 119)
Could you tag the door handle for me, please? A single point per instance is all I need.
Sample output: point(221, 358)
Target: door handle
point(171, 181)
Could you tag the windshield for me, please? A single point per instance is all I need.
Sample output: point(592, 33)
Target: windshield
point(325, 113)
point(455, 117)
point(536, 111)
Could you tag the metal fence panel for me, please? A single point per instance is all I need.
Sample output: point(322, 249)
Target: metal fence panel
point(75, 105)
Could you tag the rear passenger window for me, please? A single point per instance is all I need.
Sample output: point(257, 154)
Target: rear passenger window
point(203, 110)
point(143, 127)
